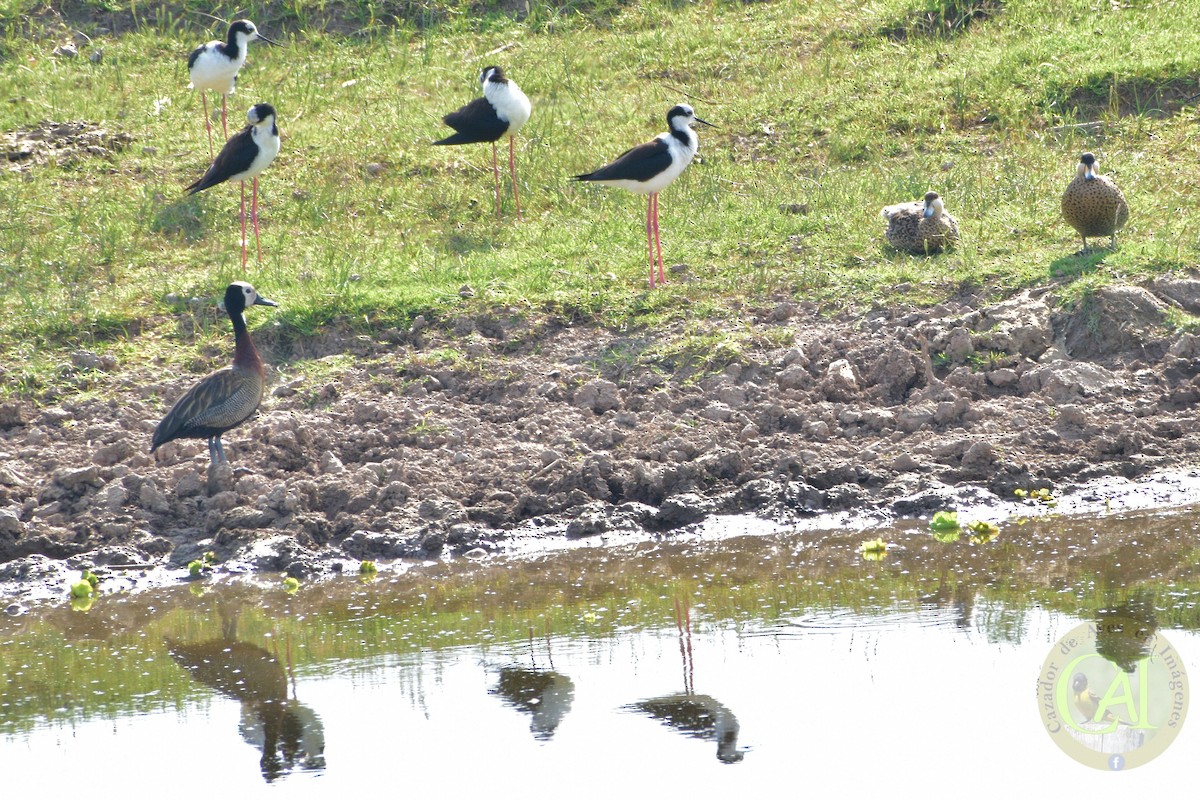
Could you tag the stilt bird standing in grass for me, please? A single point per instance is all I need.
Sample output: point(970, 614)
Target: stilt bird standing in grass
point(243, 157)
point(227, 397)
point(920, 227)
point(501, 111)
point(1092, 203)
point(214, 67)
point(651, 167)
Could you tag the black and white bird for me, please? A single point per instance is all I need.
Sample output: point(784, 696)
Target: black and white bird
point(247, 153)
point(225, 398)
point(214, 67)
point(501, 111)
point(651, 167)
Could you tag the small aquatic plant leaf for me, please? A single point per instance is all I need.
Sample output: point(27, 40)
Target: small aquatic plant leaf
point(945, 521)
point(873, 549)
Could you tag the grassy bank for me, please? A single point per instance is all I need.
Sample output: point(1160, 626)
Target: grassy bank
point(825, 113)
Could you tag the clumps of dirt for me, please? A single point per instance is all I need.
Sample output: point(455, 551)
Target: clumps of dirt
point(462, 435)
point(60, 142)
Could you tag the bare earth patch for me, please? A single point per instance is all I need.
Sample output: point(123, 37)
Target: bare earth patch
point(459, 436)
point(59, 142)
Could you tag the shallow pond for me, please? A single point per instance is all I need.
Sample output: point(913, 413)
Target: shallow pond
point(704, 666)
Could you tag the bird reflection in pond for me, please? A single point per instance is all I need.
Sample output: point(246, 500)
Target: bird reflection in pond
point(544, 694)
point(1125, 629)
point(288, 733)
point(700, 716)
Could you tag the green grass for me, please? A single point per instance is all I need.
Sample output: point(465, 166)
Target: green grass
point(826, 112)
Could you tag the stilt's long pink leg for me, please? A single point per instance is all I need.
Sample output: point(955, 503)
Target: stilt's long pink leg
point(254, 217)
point(512, 168)
point(224, 127)
point(496, 175)
point(650, 235)
point(243, 215)
point(662, 278)
point(207, 123)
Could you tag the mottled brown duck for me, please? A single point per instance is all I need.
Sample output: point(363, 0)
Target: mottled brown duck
point(920, 226)
point(226, 398)
point(1092, 203)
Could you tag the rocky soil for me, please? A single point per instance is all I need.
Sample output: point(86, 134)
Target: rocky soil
point(455, 437)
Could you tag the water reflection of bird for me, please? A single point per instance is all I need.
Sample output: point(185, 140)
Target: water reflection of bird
point(700, 716)
point(288, 733)
point(1087, 701)
point(955, 596)
point(1125, 630)
point(697, 715)
point(544, 694)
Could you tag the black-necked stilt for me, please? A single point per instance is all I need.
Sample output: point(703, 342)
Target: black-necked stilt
point(214, 66)
point(227, 397)
point(1093, 204)
point(502, 110)
point(245, 155)
point(649, 168)
point(920, 226)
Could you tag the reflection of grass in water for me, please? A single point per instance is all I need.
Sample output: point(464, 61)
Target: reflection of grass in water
point(108, 660)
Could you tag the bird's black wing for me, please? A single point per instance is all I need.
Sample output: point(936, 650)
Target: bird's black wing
point(195, 54)
point(635, 164)
point(475, 122)
point(235, 157)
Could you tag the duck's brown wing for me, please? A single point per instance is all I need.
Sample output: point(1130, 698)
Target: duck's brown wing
point(220, 401)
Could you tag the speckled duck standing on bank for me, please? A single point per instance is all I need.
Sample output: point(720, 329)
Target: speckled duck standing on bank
point(920, 226)
point(226, 398)
point(1092, 203)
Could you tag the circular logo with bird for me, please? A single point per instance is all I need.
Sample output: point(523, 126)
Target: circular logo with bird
point(1113, 693)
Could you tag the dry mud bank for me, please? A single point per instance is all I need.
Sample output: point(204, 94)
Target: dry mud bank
point(451, 438)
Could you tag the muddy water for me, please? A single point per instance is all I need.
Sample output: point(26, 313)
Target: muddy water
point(708, 666)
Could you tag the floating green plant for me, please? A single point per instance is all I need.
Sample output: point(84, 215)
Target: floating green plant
point(1044, 496)
point(873, 549)
point(945, 521)
point(983, 531)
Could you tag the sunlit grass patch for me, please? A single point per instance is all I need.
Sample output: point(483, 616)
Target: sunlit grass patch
point(823, 117)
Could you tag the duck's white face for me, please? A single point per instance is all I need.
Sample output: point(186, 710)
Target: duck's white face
point(248, 292)
point(249, 295)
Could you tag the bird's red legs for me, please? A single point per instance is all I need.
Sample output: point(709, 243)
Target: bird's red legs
point(662, 278)
point(243, 217)
point(207, 123)
point(254, 218)
point(650, 235)
point(512, 168)
point(496, 175)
